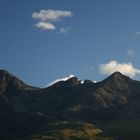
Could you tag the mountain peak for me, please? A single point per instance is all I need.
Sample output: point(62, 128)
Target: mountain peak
point(73, 81)
point(7, 80)
point(117, 74)
point(117, 77)
point(65, 82)
point(4, 73)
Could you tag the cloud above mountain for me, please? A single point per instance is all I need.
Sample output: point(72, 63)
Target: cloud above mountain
point(113, 66)
point(48, 18)
point(60, 79)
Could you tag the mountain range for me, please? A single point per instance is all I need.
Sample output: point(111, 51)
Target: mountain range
point(70, 110)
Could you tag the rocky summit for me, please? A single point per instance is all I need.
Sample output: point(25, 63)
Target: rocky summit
point(70, 110)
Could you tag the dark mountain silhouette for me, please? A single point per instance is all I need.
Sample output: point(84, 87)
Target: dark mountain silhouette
point(70, 109)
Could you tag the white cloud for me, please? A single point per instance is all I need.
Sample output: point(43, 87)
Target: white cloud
point(61, 79)
point(47, 18)
point(113, 66)
point(51, 15)
point(130, 53)
point(45, 26)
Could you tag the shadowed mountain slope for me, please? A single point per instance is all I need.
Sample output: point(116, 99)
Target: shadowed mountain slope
point(66, 108)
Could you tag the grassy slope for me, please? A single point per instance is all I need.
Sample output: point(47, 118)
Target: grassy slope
point(121, 129)
point(70, 131)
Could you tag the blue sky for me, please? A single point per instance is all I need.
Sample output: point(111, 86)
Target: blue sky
point(87, 38)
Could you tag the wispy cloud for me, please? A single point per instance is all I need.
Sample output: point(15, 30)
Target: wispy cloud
point(48, 18)
point(137, 34)
point(60, 79)
point(89, 68)
point(65, 30)
point(113, 66)
point(132, 36)
point(130, 53)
